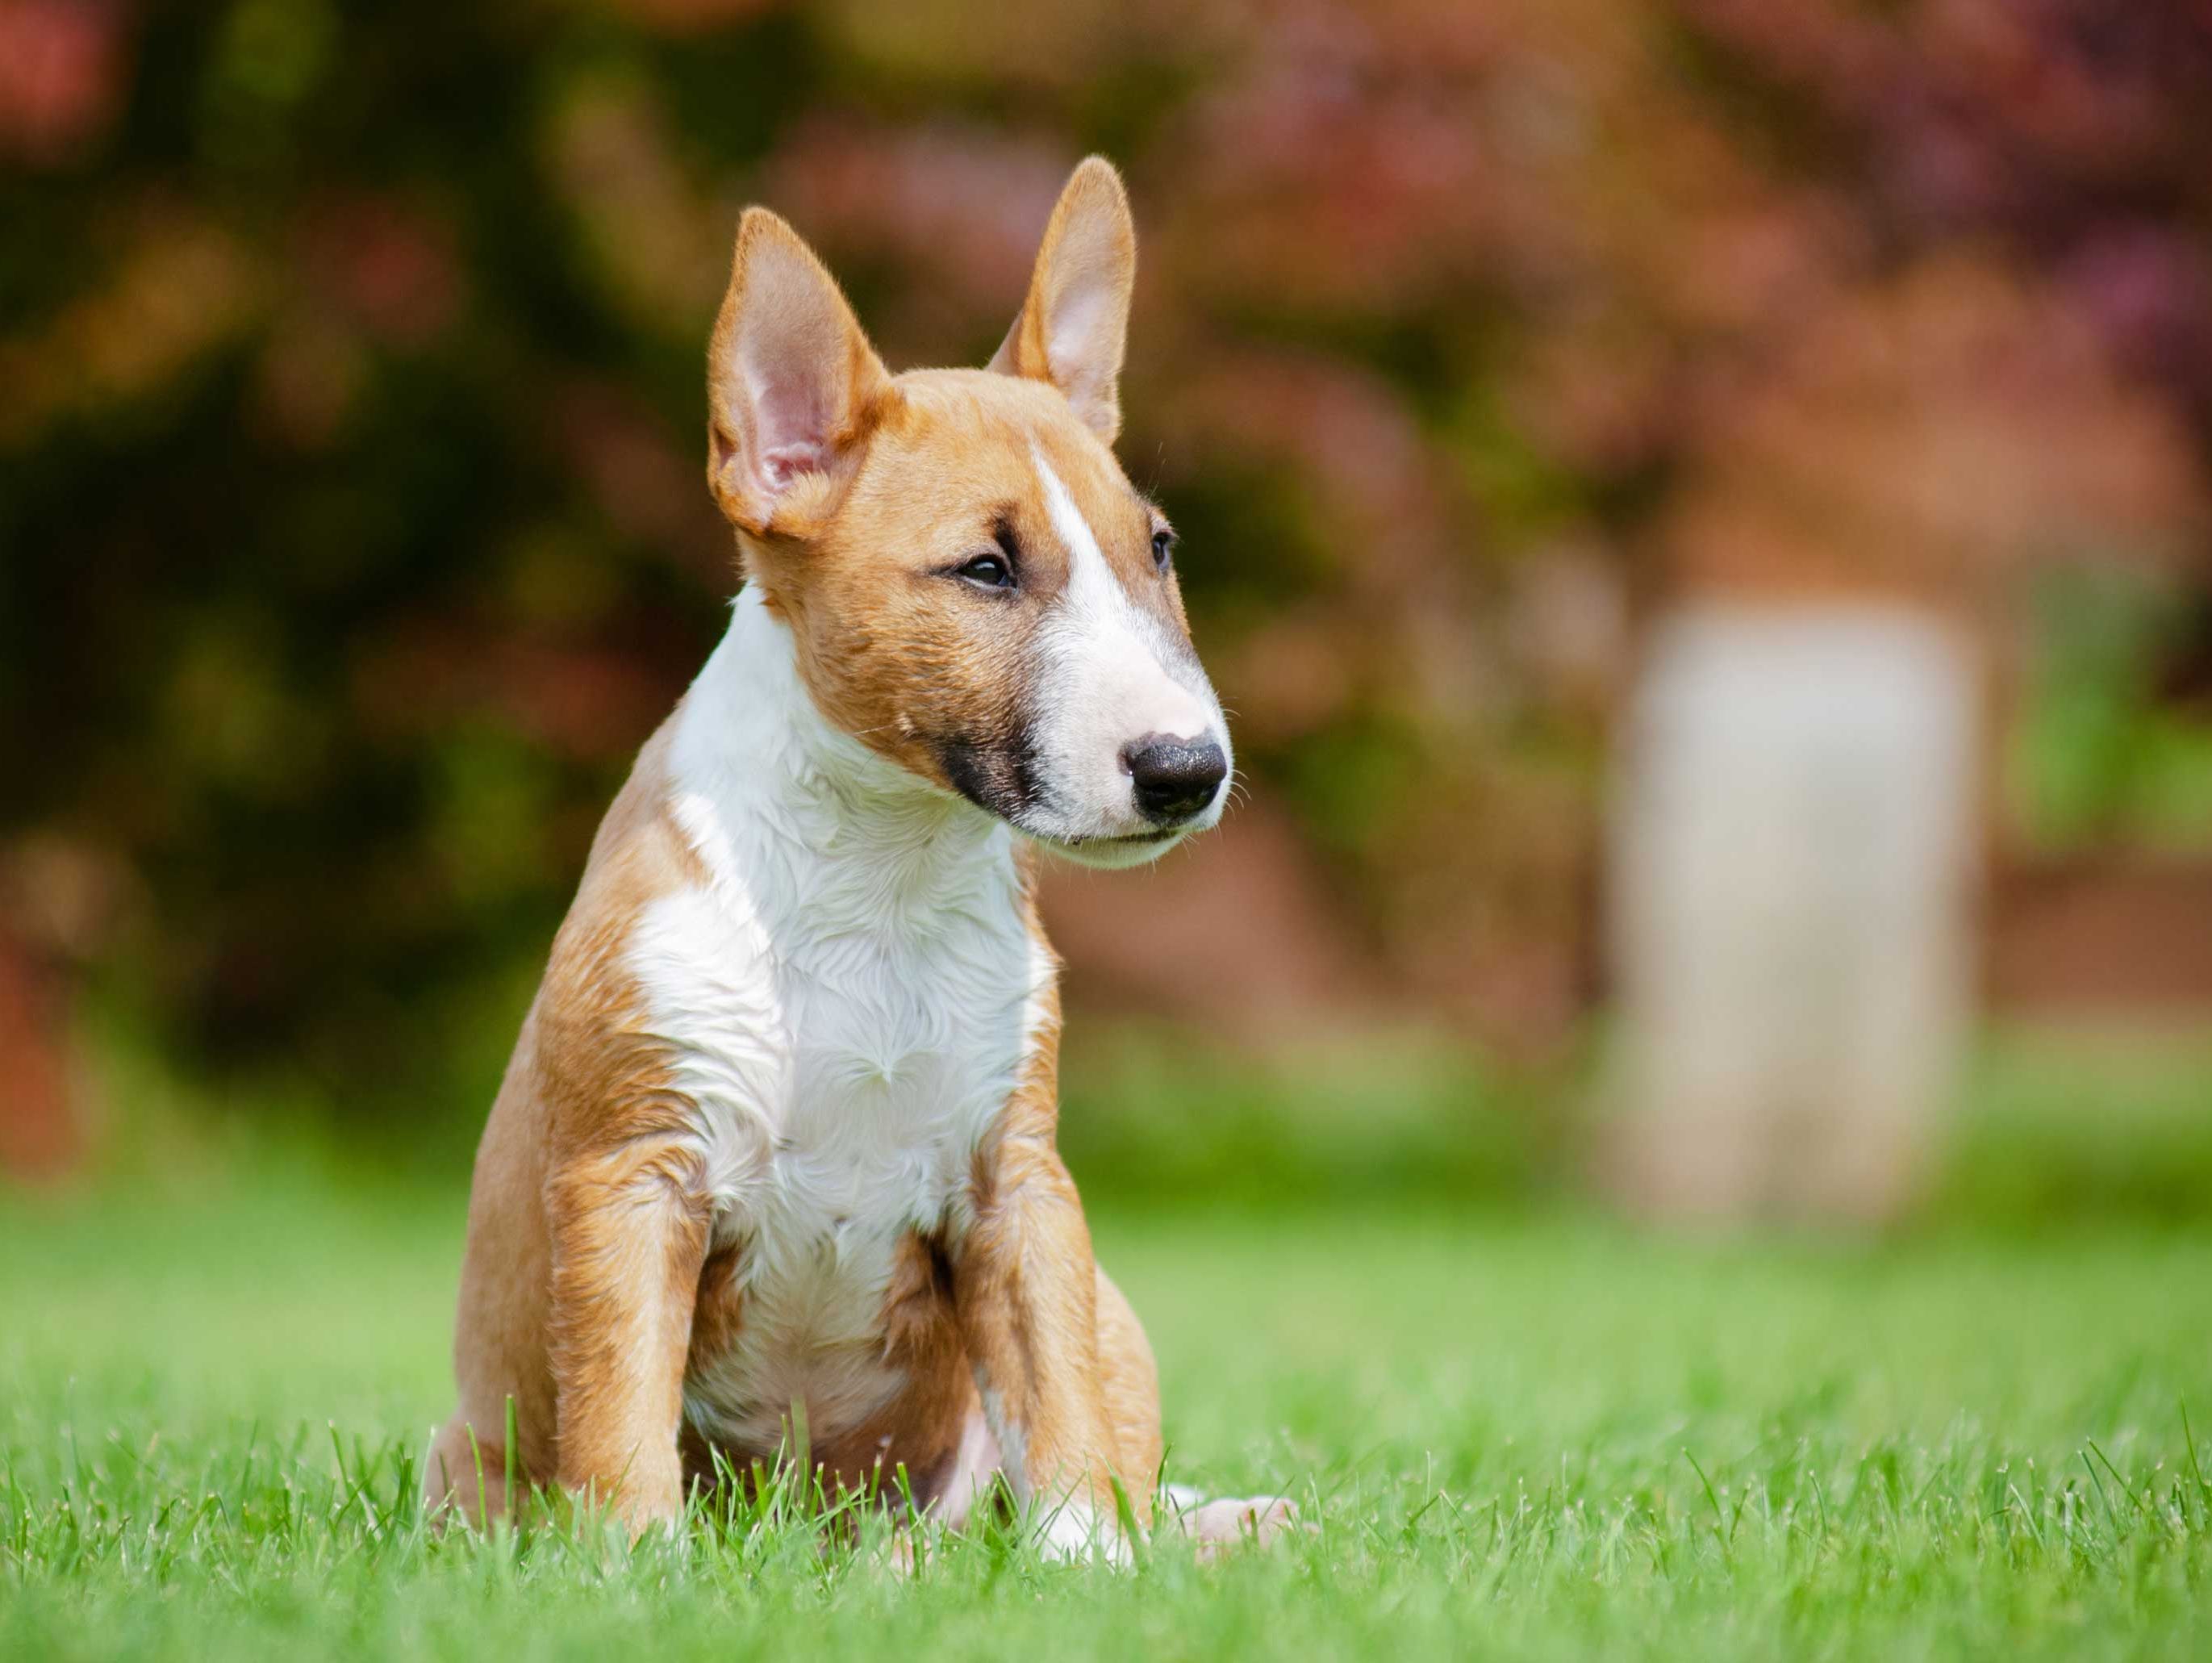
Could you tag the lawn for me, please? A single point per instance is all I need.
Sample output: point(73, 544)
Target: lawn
point(1519, 1431)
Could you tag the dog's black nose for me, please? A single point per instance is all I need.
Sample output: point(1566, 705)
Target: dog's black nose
point(1175, 778)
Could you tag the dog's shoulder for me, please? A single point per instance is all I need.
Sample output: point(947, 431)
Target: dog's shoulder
point(638, 855)
point(592, 1048)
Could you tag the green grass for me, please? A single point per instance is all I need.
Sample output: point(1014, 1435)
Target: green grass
point(1547, 1436)
point(1520, 1430)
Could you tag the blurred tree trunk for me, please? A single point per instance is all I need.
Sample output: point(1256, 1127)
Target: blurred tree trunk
point(1794, 855)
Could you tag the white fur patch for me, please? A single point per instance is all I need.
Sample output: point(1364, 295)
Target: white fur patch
point(1065, 1527)
point(976, 1462)
point(1111, 675)
point(847, 1000)
point(1074, 1530)
point(1006, 1433)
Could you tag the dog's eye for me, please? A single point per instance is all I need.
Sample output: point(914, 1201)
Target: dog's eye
point(989, 571)
point(1164, 544)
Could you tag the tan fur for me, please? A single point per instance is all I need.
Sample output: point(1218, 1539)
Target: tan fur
point(948, 453)
point(587, 1228)
point(1089, 250)
point(589, 1225)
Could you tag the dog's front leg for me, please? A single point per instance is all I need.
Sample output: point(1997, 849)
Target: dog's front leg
point(630, 1227)
point(1025, 1293)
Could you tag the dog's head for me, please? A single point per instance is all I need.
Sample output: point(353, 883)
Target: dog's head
point(974, 587)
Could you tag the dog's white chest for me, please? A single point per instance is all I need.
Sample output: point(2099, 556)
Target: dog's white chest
point(848, 1029)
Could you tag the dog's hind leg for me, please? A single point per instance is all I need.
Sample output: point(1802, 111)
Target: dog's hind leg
point(1131, 1382)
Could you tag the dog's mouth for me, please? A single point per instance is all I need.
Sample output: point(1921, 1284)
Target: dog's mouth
point(1132, 849)
point(1164, 835)
point(1003, 779)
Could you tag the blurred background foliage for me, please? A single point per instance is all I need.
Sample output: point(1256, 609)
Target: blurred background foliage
point(350, 446)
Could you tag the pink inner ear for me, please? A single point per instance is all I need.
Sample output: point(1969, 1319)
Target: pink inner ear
point(779, 464)
point(1081, 314)
point(792, 426)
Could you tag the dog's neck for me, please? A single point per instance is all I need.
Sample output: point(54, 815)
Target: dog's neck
point(817, 830)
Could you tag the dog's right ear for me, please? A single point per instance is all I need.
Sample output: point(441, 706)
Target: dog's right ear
point(1073, 327)
point(793, 386)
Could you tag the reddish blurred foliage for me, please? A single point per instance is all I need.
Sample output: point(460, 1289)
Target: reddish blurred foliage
point(390, 269)
point(63, 72)
point(354, 417)
point(956, 209)
point(643, 480)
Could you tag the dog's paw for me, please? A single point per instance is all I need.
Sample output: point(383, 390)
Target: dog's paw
point(1229, 1522)
point(1074, 1530)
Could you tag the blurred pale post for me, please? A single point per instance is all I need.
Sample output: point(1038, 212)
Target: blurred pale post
point(1792, 856)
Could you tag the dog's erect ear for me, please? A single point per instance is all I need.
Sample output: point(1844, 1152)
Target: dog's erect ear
point(1073, 324)
point(793, 386)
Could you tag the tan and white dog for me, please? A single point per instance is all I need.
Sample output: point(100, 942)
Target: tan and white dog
point(778, 1135)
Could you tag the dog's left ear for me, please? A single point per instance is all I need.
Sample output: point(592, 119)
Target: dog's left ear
point(1074, 324)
